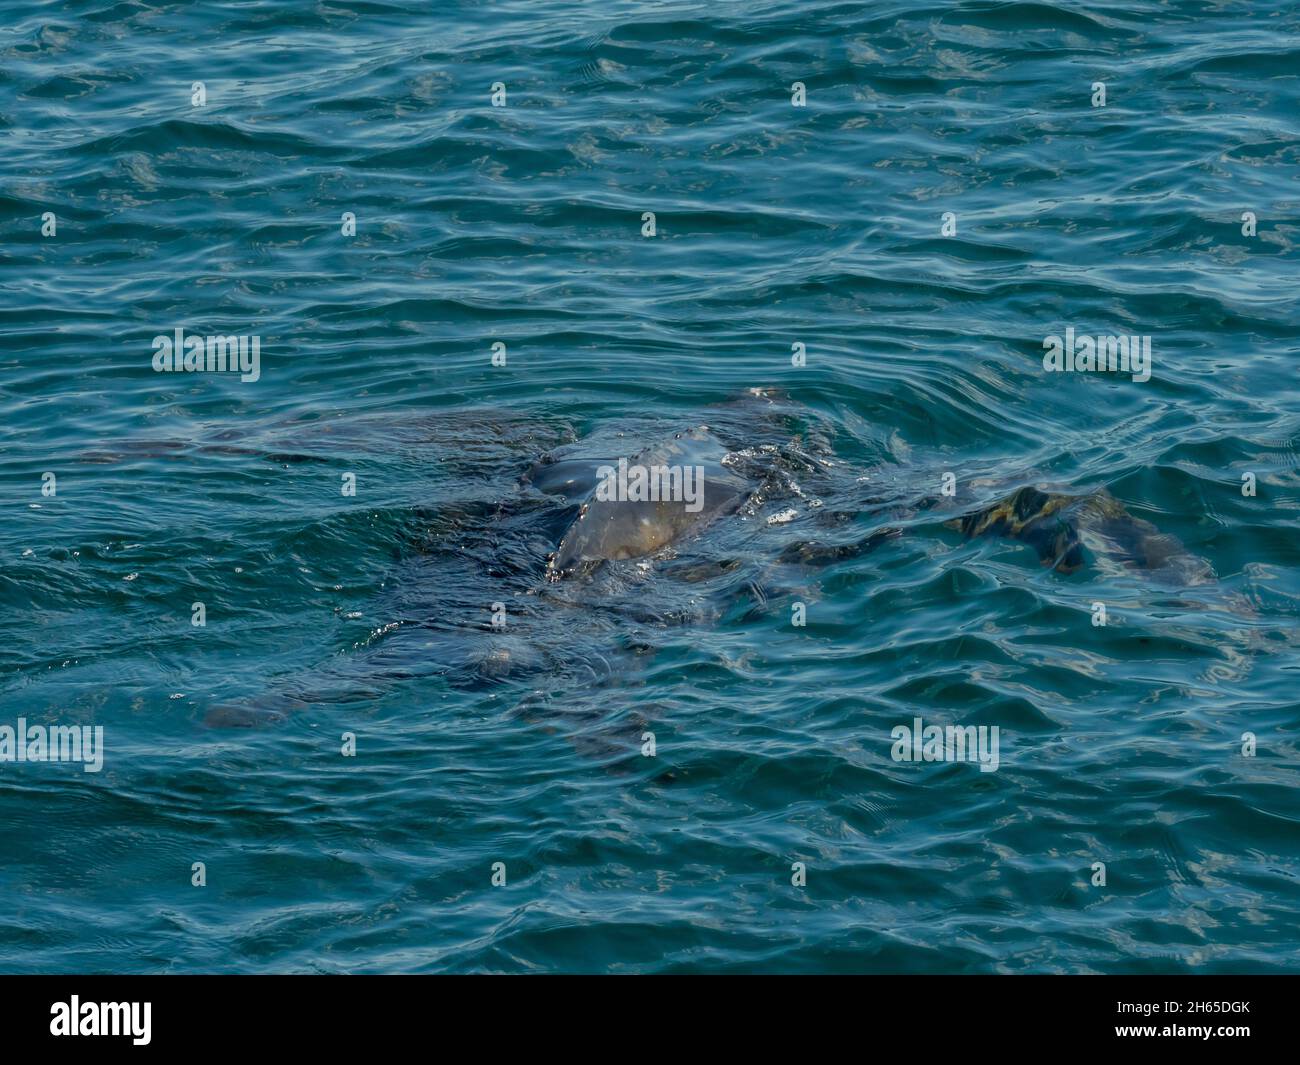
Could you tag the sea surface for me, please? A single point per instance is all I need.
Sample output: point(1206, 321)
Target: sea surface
point(651, 768)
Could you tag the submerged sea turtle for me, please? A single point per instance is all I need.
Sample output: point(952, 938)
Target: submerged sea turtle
point(1066, 529)
point(585, 576)
point(694, 461)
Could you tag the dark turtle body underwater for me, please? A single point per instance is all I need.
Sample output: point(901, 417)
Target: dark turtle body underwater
point(608, 529)
point(1066, 530)
point(585, 583)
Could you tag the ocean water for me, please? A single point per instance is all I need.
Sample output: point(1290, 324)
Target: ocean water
point(1130, 826)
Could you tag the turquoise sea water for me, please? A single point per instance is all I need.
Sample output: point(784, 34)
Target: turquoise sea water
point(775, 225)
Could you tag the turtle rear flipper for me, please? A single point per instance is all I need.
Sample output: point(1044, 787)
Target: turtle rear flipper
point(817, 553)
point(1137, 544)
